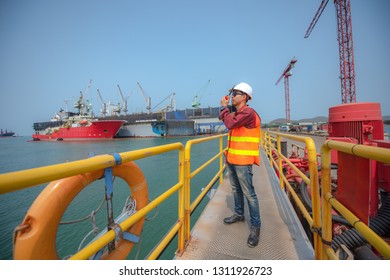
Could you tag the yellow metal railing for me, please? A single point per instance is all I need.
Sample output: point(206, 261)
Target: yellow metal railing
point(328, 201)
point(190, 207)
point(18, 180)
point(314, 220)
point(321, 219)
point(185, 199)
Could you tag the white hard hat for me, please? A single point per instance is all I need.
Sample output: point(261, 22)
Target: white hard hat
point(244, 87)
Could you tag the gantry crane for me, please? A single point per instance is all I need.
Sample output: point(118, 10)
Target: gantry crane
point(147, 99)
point(347, 65)
point(286, 74)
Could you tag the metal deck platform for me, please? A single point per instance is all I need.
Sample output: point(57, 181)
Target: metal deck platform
point(281, 237)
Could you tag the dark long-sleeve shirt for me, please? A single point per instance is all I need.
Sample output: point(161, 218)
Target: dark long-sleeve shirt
point(245, 117)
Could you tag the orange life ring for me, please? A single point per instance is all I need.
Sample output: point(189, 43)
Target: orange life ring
point(36, 237)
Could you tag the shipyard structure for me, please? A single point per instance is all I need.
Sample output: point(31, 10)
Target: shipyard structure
point(114, 121)
point(188, 122)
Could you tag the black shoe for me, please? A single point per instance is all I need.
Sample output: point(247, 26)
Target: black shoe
point(233, 219)
point(253, 238)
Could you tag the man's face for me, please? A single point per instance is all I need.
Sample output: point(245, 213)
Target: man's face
point(238, 97)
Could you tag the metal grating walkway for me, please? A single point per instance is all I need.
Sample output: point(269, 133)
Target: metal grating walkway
point(281, 236)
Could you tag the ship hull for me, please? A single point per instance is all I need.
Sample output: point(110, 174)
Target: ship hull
point(7, 134)
point(96, 130)
point(142, 130)
point(188, 122)
point(209, 126)
point(155, 129)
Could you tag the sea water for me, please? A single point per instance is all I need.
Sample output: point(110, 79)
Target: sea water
point(161, 172)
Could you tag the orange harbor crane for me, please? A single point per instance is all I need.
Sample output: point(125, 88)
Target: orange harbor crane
point(286, 74)
point(344, 30)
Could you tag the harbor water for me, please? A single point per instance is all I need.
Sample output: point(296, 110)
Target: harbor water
point(161, 172)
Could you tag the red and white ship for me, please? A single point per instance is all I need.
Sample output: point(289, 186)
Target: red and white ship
point(76, 126)
point(79, 129)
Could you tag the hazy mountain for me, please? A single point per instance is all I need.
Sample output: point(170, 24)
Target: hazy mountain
point(319, 119)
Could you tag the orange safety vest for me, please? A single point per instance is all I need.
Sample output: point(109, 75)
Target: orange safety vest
point(243, 144)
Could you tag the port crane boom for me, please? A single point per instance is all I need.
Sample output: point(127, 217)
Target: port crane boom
point(344, 32)
point(80, 104)
point(199, 95)
point(147, 99)
point(124, 101)
point(172, 105)
point(316, 17)
point(103, 110)
point(286, 74)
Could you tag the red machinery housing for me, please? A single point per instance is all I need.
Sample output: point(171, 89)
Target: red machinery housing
point(362, 185)
point(359, 180)
point(361, 122)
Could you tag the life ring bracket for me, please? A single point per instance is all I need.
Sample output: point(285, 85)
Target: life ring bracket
point(39, 240)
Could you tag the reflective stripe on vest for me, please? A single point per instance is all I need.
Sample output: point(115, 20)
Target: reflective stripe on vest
point(245, 139)
point(243, 152)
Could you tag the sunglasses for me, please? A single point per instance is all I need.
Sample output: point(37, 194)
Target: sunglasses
point(234, 93)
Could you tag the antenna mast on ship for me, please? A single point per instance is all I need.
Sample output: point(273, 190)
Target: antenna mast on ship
point(87, 104)
point(66, 105)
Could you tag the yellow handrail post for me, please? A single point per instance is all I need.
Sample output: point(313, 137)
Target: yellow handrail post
point(264, 142)
point(221, 159)
point(187, 188)
point(181, 202)
point(315, 195)
point(280, 163)
point(326, 206)
point(270, 150)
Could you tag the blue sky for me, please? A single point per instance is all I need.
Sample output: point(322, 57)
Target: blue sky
point(51, 49)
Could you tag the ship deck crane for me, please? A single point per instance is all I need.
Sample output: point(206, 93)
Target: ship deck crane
point(83, 108)
point(344, 31)
point(124, 101)
point(199, 95)
point(286, 74)
point(172, 103)
point(103, 110)
point(147, 99)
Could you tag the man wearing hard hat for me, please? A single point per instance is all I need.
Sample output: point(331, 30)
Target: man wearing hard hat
point(241, 153)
